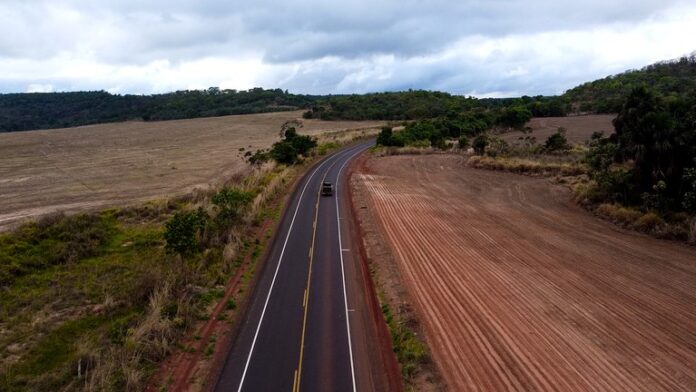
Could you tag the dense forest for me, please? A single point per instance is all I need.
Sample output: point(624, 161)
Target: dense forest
point(19, 112)
point(414, 105)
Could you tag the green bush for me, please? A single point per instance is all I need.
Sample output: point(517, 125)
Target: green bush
point(54, 240)
point(182, 230)
point(463, 142)
point(229, 203)
point(386, 138)
point(284, 152)
point(258, 157)
point(480, 143)
point(497, 146)
point(557, 142)
point(287, 151)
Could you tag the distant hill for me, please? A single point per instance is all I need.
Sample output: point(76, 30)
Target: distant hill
point(20, 112)
point(669, 78)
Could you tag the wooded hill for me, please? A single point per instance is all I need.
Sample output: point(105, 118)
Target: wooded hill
point(26, 111)
point(674, 78)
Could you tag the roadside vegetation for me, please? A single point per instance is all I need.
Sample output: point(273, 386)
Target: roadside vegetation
point(96, 301)
point(410, 350)
point(647, 166)
point(290, 150)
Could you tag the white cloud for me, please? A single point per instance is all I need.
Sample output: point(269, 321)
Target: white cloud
point(468, 47)
point(39, 88)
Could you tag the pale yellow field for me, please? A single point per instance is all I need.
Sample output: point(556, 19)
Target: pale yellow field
point(102, 165)
point(579, 129)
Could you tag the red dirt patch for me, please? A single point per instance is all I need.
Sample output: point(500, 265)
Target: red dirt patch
point(520, 289)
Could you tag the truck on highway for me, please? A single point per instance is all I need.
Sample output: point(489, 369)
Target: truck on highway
point(326, 189)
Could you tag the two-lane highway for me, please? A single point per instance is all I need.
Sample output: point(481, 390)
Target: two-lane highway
point(297, 332)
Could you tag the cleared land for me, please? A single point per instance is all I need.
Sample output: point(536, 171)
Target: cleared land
point(519, 289)
point(579, 129)
point(94, 166)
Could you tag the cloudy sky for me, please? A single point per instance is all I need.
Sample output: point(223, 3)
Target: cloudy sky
point(472, 47)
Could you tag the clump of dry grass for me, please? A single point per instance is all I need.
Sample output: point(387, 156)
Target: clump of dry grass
point(526, 166)
point(649, 222)
point(408, 150)
point(618, 213)
point(120, 367)
point(347, 136)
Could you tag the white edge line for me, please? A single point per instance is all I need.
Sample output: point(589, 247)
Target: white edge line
point(280, 260)
point(343, 272)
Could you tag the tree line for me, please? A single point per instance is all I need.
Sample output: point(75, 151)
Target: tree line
point(26, 111)
point(21, 112)
point(650, 161)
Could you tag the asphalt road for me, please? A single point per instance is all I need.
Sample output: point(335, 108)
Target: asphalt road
point(306, 328)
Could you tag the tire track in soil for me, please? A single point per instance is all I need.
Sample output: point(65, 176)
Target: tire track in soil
point(519, 289)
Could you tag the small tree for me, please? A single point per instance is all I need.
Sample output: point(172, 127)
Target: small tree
point(284, 152)
point(302, 143)
point(287, 150)
point(557, 141)
point(181, 231)
point(480, 143)
point(385, 137)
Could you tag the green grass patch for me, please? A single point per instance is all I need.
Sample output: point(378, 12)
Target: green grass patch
point(410, 351)
point(325, 148)
point(52, 362)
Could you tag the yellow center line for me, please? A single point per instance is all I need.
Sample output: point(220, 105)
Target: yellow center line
point(298, 372)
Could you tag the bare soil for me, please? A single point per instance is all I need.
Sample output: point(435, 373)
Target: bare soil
point(520, 289)
point(579, 129)
point(94, 166)
point(387, 281)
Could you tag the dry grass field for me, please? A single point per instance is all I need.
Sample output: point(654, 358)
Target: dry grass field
point(520, 289)
point(579, 128)
point(111, 164)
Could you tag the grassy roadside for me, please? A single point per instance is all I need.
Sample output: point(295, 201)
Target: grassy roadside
point(95, 302)
point(410, 350)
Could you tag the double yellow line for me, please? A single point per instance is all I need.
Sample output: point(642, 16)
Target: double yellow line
point(305, 302)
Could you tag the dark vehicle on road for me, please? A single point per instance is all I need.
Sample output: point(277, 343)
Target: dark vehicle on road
point(326, 189)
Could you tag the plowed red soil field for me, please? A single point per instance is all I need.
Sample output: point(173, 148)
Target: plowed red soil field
point(520, 289)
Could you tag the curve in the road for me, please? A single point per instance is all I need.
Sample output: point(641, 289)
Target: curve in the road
point(296, 333)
